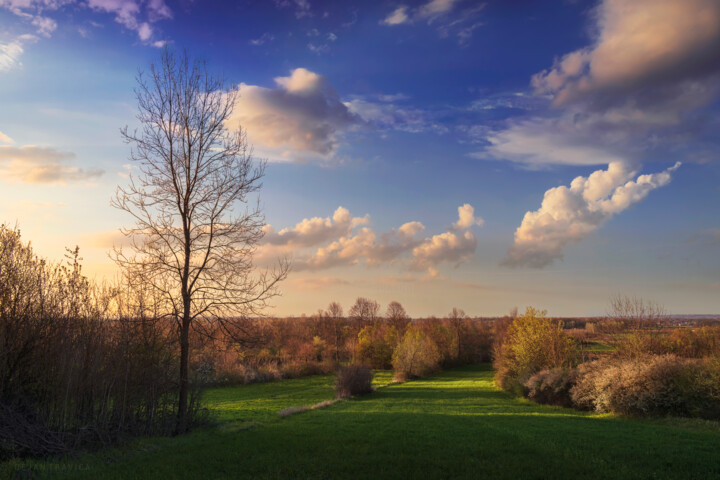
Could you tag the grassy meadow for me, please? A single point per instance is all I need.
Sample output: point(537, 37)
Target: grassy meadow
point(455, 424)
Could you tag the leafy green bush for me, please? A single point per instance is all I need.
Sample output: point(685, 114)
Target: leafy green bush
point(415, 356)
point(533, 342)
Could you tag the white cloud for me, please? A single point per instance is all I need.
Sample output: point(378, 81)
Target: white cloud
point(302, 7)
point(5, 139)
point(45, 26)
point(441, 14)
point(435, 8)
point(639, 44)
point(135, 15)
point(10, 52)
point(316, 230)
point(390, 116)
point(467, 218)
point(344, 240)
point(569, 214)
point(652, 64)
point(448, 247)
point(263, 39)
point(303, 115)
point(31, 164)
point(396, 17)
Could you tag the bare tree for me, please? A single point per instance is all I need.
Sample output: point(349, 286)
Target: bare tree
point(397, 316)
point(635, 312)
point(195, 231)
point(335, 314)
point(457, 319)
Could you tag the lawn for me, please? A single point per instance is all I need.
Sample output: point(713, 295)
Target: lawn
point(456, 424)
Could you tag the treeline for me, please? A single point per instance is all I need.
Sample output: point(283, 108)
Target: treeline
point(276, 348)
point(645, 369)
point(80, 364)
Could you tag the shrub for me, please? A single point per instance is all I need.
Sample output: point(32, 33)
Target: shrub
point(415, 356)
point(552, 386)
point(353, 380)
point(533, 342)
point(375, 345)
point(80, 364)
point(650, 386)
point(695, 343)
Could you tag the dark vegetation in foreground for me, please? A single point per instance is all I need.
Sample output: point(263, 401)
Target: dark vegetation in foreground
point(455, 424)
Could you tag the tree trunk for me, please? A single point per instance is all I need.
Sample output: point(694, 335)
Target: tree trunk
point(181, 426)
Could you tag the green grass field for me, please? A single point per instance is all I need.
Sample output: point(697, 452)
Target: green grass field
point(456, 424)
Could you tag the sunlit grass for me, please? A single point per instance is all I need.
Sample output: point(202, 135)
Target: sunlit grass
point(452, 425)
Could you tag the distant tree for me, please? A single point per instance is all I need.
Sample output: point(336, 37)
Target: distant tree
point(397, 316)
point(194, 232)
point(457, 319)
point(335, 314)
point(364, 311)
point(415, 356)
point(634, 312)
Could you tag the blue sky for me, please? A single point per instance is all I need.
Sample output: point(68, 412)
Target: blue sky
point(441, 153)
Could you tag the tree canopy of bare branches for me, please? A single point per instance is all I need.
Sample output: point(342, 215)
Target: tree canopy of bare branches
point(193, 200)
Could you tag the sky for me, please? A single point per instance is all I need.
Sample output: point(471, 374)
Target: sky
point(441, 153)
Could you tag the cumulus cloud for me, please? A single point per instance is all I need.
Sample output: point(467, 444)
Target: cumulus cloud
point(395, 243)
point(31, 164)
point(448, 247)
point(344, 240)
point(652, 65)
point(569, 214)
point(303, 114)
point(467, 218)
point(316, 230)
point(640, 45)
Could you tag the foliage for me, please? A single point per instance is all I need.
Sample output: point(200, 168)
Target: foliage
point(650, 386)
point(79, 364)
point(353, 380)
point(552, 386)
point(533, 342)
point(376, 344)
point(415, 356)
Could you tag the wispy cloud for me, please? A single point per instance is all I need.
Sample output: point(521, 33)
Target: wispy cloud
point(31, 164)
point(444, 15)
point(11, 52)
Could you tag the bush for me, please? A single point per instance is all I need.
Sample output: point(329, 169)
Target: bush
point(533, 342)
point(415, 356)
point(353, 380)
point(552, 386)
point(80, 365)
point(650, 386)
